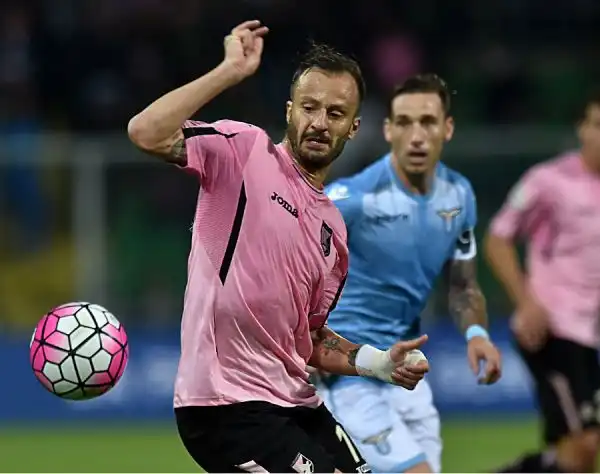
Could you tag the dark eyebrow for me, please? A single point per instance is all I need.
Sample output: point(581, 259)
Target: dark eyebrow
point(419, 118)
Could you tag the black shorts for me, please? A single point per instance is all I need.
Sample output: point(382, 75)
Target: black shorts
point(567, 378)
point(262, 437)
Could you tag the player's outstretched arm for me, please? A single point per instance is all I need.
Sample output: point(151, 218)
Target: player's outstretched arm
point(465, 299)
point(468, 307)
point(158, 128)
point(332, 353)
point(529, 322)
point(502, 257)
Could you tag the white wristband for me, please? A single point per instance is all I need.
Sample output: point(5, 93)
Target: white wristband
point(371, 362)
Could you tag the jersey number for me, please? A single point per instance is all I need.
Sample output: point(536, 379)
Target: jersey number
point(343, 436)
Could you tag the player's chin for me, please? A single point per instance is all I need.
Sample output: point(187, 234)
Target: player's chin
point(415, 168)
point(317, 158)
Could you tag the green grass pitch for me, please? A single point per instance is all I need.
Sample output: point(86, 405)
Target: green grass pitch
point(469, 446)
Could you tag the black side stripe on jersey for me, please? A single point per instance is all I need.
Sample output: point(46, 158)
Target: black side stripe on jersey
point(338, 294)
point(199, 131)
point(234, 236)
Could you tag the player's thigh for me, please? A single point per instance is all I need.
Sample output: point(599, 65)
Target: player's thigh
point(421, 418)
point(321, 426)
point(249, 437)
point(380, 434)
point(567, 377)
point(541, 366)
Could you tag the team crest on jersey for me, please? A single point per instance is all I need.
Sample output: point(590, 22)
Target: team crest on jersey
point(448, 215)
point(326, 234)
point(380, 441)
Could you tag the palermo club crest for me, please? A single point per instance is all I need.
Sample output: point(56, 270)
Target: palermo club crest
point(326, 234)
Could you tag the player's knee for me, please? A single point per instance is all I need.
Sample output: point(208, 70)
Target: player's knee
point(421, 467)
point(579, 452)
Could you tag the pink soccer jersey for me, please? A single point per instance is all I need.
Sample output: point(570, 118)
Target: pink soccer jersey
point(267, 263)
point(556, 207)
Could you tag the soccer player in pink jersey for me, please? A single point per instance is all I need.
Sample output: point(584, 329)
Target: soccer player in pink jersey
point(555, 207)
point(267, 264)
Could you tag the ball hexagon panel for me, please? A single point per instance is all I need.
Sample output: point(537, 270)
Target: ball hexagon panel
point(64, 386)
point(69, 372)
point(117, 365)
point(113, 321)
point(84, 367)
point(100, 379)
point(90, 347)
point(80, 336)
point(44, 380)
point(67, 324)
point(57, 340)
point(36, 356)
point(86, 318)
point(49, 327)
point(52, 372)
point(54, 354)
point(101, 361)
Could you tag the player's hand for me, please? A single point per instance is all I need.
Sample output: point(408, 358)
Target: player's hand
point(530, 325)
point(244, 47)
point(480, 350)
point(405, 375)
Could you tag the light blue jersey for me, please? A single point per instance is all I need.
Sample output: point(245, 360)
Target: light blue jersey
point(399, 243)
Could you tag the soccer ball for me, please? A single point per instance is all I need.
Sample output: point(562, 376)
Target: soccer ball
point(79, 351)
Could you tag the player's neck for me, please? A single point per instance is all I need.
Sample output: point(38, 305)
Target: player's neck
point(418, 183)
point(314, 177)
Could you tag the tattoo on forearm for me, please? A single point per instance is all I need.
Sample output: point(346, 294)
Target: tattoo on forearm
point(179, 152)
point(465, 299)
point(332, 343)
point(352, 356)
point(329, 343)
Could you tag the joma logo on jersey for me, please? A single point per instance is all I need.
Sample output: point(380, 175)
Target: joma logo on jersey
point(286, 205)
point(448, 215)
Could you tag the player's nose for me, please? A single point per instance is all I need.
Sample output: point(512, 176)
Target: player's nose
point(417, 136)
point(417, 145)
point(319, 122)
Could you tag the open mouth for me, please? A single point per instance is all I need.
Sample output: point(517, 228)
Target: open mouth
point(417, 157)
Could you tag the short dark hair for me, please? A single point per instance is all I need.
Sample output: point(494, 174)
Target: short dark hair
point(322, 56)
point(423, 83)
point(592, 98)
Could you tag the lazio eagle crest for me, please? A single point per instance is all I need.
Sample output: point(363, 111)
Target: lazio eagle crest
point(448, 215)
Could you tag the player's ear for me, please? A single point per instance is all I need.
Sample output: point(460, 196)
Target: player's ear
point(387, 130)
point(354, 128)
point(449, 128)
point(288, 111)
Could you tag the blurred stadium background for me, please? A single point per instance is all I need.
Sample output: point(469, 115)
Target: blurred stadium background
point(83, 216)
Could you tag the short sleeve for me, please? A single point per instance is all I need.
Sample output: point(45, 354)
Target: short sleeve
point(348, 202)
point(215, 149)
point(466, 244)
point(526, 203)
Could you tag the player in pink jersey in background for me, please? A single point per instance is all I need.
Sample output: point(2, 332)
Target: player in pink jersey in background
point(556, 208)
point(267, 264)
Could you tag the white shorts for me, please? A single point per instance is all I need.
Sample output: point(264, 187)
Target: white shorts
point(395, 429)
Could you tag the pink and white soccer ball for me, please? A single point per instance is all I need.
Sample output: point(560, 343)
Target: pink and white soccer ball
point(79, 351)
